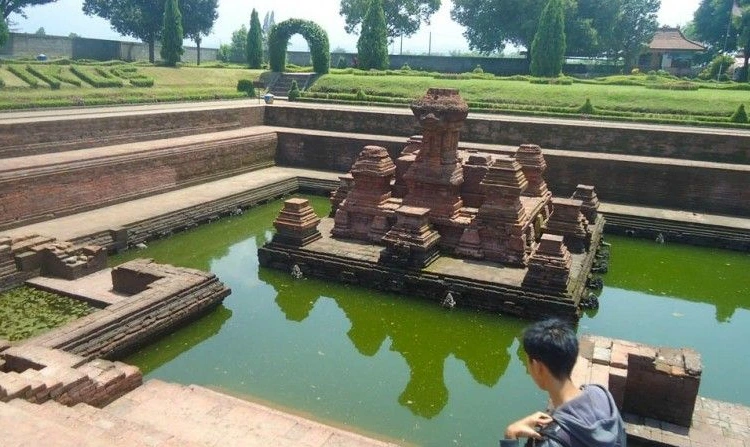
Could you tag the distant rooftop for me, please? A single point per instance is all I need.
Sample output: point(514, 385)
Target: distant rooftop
point(673, 39)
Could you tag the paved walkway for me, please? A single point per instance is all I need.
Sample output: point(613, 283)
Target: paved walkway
point(73, 113)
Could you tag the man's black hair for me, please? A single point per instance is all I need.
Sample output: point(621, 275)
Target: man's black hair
point(553, 343)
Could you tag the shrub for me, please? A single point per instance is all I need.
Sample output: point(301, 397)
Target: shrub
point(24, 75)
point(254, 42)
point(635, 71)
point(341, 63)
point(719, 63)
point(478, 70)
point(587, 108)
point(54, 84)
point(246, 85)
point(739, 116)
point(67, 78)
point(2, 83)
point(294, 92)
point(406, 67)
point(360, 95)
point(142, 82)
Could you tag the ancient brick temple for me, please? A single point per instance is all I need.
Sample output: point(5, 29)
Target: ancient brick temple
point(485, 206)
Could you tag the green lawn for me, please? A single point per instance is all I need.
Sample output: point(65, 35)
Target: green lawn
point(511, 92)
point(642, 98)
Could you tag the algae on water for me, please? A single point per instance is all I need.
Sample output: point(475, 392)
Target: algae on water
point(26, 312)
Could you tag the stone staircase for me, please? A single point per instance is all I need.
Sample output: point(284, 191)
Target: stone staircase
point(164, 414)
point(284, 83)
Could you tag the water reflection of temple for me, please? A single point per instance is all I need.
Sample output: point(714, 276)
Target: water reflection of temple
point(425, 344)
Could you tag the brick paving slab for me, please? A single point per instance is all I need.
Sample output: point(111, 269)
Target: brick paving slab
point(197, 414)
point(95, 288)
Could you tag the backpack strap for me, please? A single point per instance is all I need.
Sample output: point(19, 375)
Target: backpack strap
point(554, 432)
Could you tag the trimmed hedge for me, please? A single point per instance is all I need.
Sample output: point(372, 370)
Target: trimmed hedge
point(142, 82)
point(54, 84)
point(94, 80)
point(24, 75)
point(66, 78)
point(315, 36)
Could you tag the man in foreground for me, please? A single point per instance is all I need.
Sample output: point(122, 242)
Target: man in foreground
point(585, 416)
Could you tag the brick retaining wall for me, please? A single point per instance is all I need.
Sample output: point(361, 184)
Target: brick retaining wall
point(34, 193)
point(690, 144)
point(59, 134)
point(693, 186)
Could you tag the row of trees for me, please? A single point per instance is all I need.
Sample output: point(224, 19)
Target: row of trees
point(144, 19)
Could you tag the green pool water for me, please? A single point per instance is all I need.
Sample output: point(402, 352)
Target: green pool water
point(409, 370)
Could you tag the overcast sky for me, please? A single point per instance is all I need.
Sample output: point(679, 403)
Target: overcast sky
point(64, 17)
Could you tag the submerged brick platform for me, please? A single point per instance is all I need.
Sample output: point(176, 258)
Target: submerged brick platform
point(471, 283)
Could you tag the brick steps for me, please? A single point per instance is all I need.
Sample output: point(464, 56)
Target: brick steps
point(38, 374)
point(284, 83)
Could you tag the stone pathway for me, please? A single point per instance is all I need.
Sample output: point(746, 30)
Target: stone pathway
point(163, 414)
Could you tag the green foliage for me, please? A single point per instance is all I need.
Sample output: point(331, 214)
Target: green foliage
point(478, 69)
point(24, 75)
point(2, 83)
point(587, 108)
point(406, 67)
point(720, 63)
point(315, 36)
point(246, 85)
point(103, 73)
point(3, 32)
point(136, 18)
point(66, 77)
point(739, 116)
point(171, 34)
point(254, 42)
point(53, 83)
point(548, 48)
point(341, 63)
point(93, 79)
point(403, 17)
point(294, 92)
point(372, 46)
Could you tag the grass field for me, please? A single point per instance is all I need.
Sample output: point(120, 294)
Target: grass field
point(643, 98)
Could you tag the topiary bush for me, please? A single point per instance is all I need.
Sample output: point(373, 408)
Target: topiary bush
point(93, 79)
point(142, 82)
point(315, 36)
point(739, 116)
point(341, 63)
point(294, 92)
point(587, 108)
point(721, 64)
point(246, 85)
point(478, 70)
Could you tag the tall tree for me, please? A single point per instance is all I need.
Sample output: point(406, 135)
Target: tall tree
point(548, 48)
point(743, 22)
point(198, 17)
point(141, 19)
point(171, 34)
point(238, 45)
point(9, 7)
point(634, 29)
point(3, 32)
point(255, 42)
point(714, 26)
point(268, 23)
point(372, 46)
point(402, 17)
point(492, 24)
